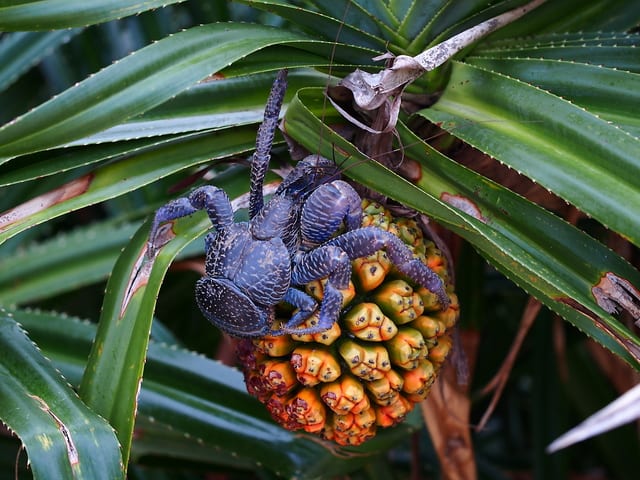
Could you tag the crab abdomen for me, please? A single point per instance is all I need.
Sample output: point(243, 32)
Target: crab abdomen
point(259, 268)
point(264, 271)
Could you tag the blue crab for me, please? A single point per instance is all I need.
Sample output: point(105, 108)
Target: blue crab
point(289, 241)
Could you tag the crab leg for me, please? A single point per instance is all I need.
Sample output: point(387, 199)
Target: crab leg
point(264, 141)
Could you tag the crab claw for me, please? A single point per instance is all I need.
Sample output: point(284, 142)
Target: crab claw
point(230, 309)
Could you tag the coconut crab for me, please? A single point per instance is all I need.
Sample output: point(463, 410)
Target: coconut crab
point(288, 241)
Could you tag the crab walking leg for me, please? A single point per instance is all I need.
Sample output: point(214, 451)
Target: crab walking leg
point(325, 261)
point(367, 240)
point(264, 141)
point(212, 199)
point(306, 305)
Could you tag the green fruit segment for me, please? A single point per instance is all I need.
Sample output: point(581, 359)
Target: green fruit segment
point(372, 366)
point(367, 322)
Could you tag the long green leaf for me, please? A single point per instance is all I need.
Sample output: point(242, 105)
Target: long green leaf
point(118, 178)
point(549, 258)
point(405, 27)
point(195, 409)
point(622, 57)
point(65, 263)
point(114, 370)
point(63, 438)
point(331, 26)
point(231, 102)
point(111, 381)
point(21, 50)
point(576, 16)
point(212, 105)
point(580, 157)
point(560, 43)
point(136, 83)
point(58, 14)
point(608, 93)
point(60, 160)
point(605, 49)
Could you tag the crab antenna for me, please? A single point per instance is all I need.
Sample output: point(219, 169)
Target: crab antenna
point(330, 73)
point(264, 141)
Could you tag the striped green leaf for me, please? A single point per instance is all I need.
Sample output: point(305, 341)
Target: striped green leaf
point(110, 384)
point(607, 93)
point(195, 409)
point(58, 14)
point(584, 159)
point(136, 83)
point(62, 437)
point(62, 264)
point(20, 51)
point(117, 178)
point(115, 366)
point(547, 257)
point(208, 106)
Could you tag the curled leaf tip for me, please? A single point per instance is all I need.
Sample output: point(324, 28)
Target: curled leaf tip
point(613, 292)
point(465, 204)
point(37, 204)
point(72, 451)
